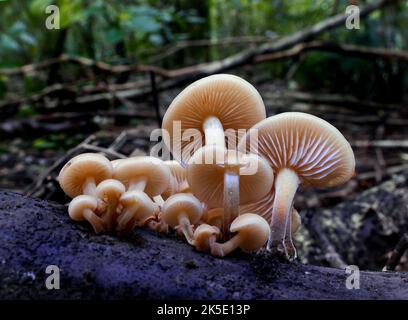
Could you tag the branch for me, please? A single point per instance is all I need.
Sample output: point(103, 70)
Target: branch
point(247, 56)
point(327, 46)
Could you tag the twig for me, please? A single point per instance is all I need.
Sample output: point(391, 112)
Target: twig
point(86, 145)
point(155, 96)
point(380, 144)
point(389, 171)
point(397, 254)
point(247, 56)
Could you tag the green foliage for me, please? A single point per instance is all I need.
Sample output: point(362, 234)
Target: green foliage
point(55, 142)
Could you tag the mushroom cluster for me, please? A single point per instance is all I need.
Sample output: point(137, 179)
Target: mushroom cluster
point(224, 190)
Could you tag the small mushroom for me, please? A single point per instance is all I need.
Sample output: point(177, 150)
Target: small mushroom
point(83, 173)
point(302, 149)
point(110, 191)
point(252, 233)
point(205, 236)
point(227, 178)
point(83, 207)
point(183, 210)
point(138, 208)
point(146, 174)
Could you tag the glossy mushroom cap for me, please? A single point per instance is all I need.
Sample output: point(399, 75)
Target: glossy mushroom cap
point(314, 149)
point(79, 204)
point(181, 203)
point(205, 175)
point(110, 188)
point(231, 99)
point(144, 206)
point(202, 235)
point(156, 173)
point(253, 228)
point(178, 182)
point(75, 173)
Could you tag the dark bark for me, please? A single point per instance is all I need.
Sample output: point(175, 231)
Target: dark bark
point(362, 230)
point(35, 234)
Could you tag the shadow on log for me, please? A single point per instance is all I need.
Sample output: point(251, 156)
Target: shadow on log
point(35, 234)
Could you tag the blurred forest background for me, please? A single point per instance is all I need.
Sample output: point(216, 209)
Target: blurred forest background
point(104, 79)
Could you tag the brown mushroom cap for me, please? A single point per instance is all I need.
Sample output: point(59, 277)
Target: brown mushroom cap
point(145, 207)
point(110, 188)
point(205, 175)
point(79, 204)
point(156, 173)
point(75, 173)
point(231, 99)
point(202, 235)
point(178, 182)
point(306, 144)
point(181, 203)
point(253, 228)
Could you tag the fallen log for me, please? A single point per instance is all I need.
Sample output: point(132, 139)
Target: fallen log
point(362, 230)
point(35, 234)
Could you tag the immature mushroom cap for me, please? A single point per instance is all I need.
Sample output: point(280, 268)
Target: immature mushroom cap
point(254, 230)
point(231, 99)
point(204, 236)
point(252, 233)
point(152, 171)
point(206, 169)
point(84, 207)
point(110, 191)
point(182, 210)
point(137, 209)
point(181, 203)
point(76, 172)
point(178, 182)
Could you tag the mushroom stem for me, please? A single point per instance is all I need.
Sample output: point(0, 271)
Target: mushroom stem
point(137, 185)
point(186, 227)
point(159, 200)
point(126, 217)
point(96, 222)
point(223, 249)
point(288, 242)
point(213, 131)
point(286, 184)
point(89, 187)
point(111, 211)
point(231, 197)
